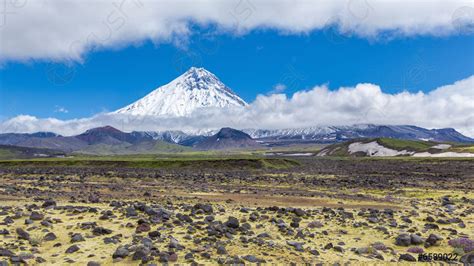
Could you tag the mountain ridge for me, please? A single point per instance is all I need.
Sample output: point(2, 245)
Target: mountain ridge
point(332, 134)
point(103, 140)
point(388, 147)
point(227, 138)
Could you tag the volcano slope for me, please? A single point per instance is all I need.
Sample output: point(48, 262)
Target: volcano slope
point(235, 210)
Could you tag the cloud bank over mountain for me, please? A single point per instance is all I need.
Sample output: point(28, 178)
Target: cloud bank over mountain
point(447, 106)
point(66, 30)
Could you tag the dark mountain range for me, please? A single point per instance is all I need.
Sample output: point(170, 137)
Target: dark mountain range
point(102, 140)
point(227, 138)
point(46, 140)
point(107, 139)
point(324, 135)
point(66, 144)
point(110, 135)
point(334, 134)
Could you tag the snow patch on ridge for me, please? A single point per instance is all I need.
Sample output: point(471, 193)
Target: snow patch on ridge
point(373, 149)
point(443, 154)
point(441, 146)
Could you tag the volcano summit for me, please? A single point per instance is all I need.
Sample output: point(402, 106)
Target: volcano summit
point(195, 89)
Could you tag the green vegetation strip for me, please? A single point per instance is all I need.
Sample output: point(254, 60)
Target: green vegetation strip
point(6, 154)
point(409, 145)
point(157, 163)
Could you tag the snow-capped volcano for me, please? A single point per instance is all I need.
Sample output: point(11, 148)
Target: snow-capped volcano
point(196, 88)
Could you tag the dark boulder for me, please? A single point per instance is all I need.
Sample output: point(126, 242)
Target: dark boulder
point(98, 231)
point(22, 234)
point(232, 222)
point(36, 216)
point(49, 237)
point(403, 240)
point(48, 203)
point(120, 252)
point(406, 257)
point(72, 249)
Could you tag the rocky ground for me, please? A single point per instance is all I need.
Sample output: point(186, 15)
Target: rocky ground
point(322, 210)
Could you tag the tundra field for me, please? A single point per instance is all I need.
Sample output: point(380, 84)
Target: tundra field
point(243, 209)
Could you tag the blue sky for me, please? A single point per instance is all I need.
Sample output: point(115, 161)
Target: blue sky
point(250, 64)
point(299, 63)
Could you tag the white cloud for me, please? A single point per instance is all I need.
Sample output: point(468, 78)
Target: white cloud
point(60, 109)
point(68, 29)
point(447, 106)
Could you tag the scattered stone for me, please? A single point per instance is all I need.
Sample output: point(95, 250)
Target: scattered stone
point(173, 243)
point(111, 240)
point(373, 219)
point(315, 224)
point(49, 237)
point(144, 227)
point(314, 252)
point(253, 259)
point(362, 250)
point(328, 246)
point(403, 240)
point(36, 216)
point(189, 256)
point(72, 249)
point(406, 257)
point(207, 208)
point(6, 253)
point(379, 246)
point(22, 234)
point(232, 222)
point(432, 240)
point(154, 234)
point(431, 226)
point(120, 252)
point(297, 245)
point(98, 231)
point(467, 259)
point(294, 224)
point(221, 250)
point(141, 253)
point(416, 239)
point(173, 257)
point(299, 212)
point(77, 238)
point(430, 219)
point(49, 203)
point(206, 255)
